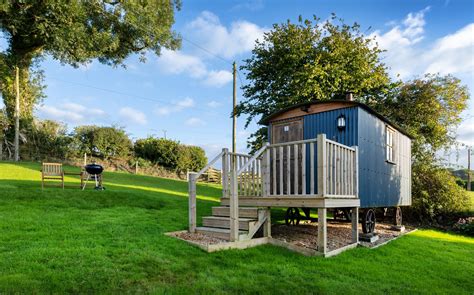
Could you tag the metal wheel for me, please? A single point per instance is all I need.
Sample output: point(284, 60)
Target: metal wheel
point(338, 214)
point(398, 216)
point(348, 214)
point(368, 221)
point(292, 216)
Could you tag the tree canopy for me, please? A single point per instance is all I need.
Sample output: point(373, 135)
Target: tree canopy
point(310, 60)
point(76, 32)
point(313, 60)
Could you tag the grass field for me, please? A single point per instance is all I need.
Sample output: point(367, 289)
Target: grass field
point(113, 241)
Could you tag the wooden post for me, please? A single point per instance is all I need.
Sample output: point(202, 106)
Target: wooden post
point(356, 171)
point(136, 167)
point(322, 230)
point(267, 228)
point(267, 172)
point(192, 201)
point(85, 159)
point(234, 207)
point(355, 223)
point(16, 141)
point(322, 165)
point(234, 104)
point(468, 169)
point(225, 173)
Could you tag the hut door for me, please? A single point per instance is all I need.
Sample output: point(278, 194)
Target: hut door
point(287, 131)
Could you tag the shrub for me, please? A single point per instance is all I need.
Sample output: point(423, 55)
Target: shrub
point(160, 151)
point(102, 142)
point(436, 194)
point(190, 158)
point(171, 154)
point(46, 139)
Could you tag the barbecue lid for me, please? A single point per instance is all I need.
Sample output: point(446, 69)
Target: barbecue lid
point(94, 168)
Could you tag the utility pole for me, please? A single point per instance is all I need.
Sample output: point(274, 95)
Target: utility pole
point(17, 115)
point(469, 169)
point(164, 133)
point(234, 119)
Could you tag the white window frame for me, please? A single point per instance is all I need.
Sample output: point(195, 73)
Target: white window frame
point(390, 144)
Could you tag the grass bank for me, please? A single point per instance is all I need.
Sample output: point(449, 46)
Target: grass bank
point(56, 241)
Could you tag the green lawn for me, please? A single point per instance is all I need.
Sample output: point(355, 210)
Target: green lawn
point(113, 241)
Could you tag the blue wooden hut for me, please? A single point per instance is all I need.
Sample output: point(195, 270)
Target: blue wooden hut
point(384, 168)
point(336, 155)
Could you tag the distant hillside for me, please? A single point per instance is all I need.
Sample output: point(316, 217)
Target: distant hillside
point(461, 173)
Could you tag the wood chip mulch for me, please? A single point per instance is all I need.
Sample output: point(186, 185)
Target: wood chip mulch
point(198, 238)
point(339, 234)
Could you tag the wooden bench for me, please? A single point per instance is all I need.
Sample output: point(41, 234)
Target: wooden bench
point(52, 171)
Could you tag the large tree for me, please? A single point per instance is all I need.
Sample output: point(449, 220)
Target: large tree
point(429, 108)
point(76, 32)
point(309, 60)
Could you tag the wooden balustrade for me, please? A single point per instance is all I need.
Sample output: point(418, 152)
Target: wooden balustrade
point(314, 168)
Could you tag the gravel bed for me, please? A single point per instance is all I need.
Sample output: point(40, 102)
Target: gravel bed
point(306, 235)
point(339, 234)
point(198, 238)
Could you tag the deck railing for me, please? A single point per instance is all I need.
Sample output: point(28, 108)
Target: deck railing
point(314, 168)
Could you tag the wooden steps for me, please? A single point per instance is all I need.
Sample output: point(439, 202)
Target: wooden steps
point(218, 225)
point(221, 233)
point(244, 212)
point(224, 222)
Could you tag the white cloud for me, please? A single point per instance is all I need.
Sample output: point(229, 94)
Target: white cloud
point(176, 62)
point(69, 112)
point(208, 31)
point(195, 122)
point(60, 114)
point(185, 103)
point(451, 54)
point(214, 104)
point(218, 78)
point(132, 115)
point(78, 108)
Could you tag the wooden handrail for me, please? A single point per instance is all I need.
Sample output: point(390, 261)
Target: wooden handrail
point(252, 159)
point(293, 142)
point(209, 164)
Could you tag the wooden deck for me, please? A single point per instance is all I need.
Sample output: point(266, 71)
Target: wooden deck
point(315, 173)
point(295, 201)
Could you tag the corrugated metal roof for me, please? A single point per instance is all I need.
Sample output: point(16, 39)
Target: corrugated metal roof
point(267, 119)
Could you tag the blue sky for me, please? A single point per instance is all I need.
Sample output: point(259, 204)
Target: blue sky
point(189, 93)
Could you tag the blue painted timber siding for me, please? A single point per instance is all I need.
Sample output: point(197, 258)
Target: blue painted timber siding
point(381, 184)
point(326, 122)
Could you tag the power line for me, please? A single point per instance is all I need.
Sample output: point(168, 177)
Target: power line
point(131, 95)
point(206, 50)
point(215, 55)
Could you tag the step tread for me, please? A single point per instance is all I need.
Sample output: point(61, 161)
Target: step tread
point(224, 218)
point(217, 230)
point(240, 208)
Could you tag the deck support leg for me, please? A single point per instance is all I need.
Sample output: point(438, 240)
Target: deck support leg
point(192, 202)
point(267, 227)
point(322, 230)
point(355, 223)
point(234, 206)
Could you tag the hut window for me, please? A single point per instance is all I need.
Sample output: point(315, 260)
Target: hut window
point(286, 128)
point(390, 144)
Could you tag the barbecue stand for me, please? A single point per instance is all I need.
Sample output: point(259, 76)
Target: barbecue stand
point(94, 171)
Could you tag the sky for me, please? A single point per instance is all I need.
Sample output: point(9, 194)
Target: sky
point(187, 94)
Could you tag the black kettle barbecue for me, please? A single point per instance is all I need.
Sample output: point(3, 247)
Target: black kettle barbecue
point(94, 170)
